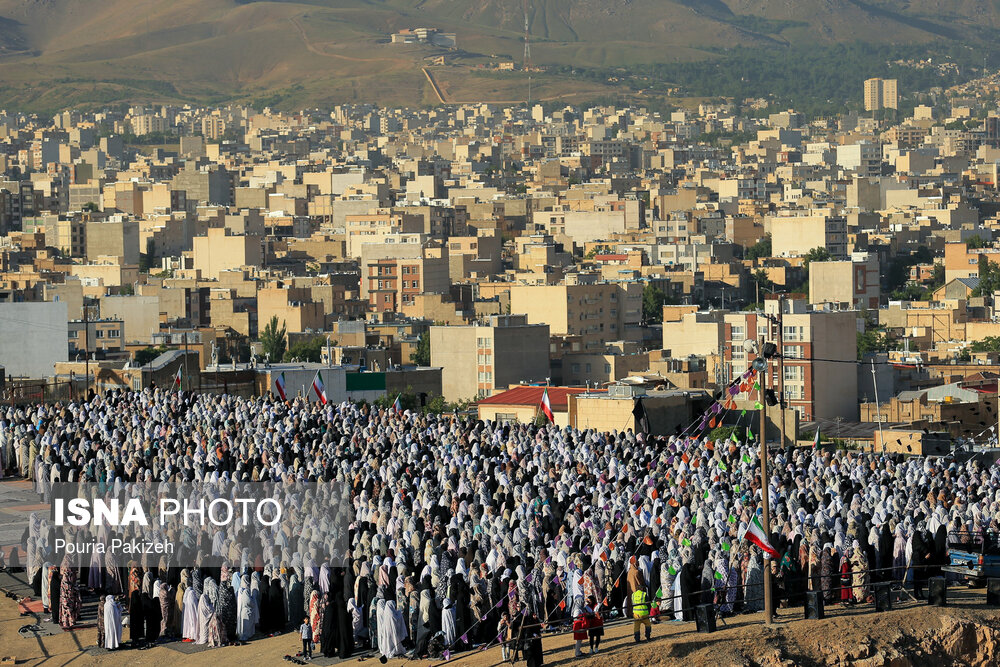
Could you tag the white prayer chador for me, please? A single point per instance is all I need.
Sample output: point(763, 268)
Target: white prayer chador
point(390, 642)
point(244, 614)
point(205, 611)
point(190, 625)
point(112, 623)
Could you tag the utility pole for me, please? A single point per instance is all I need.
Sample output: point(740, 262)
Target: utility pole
point(765, 506)
point(781, 364)
point(86, 348)
point(878, 406)
point(187, 379)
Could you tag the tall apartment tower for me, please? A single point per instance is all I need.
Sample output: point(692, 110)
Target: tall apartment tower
point(881, 94)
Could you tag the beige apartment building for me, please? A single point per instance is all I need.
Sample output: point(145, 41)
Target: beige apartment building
point(220, 250)
point(881, 94)
point(597, 312)
point(500, 351)
point(113, 238)
point(814, 389)
point(375, 226)
point(852, 284)
point(291, 305)
point(795, 235)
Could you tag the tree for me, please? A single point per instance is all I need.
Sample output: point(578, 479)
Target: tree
point(91, 207)
point(761, 248)
point(975, 241)
point(989, 277)
point(147, 354)
point(422, 355)
point(273, 341)
point(818, 254)
point(653, 299)
point(987, 344)
point(307, 350)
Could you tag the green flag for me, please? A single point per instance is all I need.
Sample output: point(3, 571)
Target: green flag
point(694, 520)
point(706, 494)
point(746, 458)
point(732, 519)
point(756, 386)
point(743, 413)
point(671, 570)
point(718, 576)
point(749, 434)
point(732, 436)
point(736, 488)
point(722, 466)
point(725, 547)
point(757, 405)
point(686, 542)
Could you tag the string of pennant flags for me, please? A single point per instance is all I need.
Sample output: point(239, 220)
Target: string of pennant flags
point(747, 382)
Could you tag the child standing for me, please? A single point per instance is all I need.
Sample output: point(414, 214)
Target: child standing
point(306, 631)
point(595, 625)
point(503, 633)
point(579, 633)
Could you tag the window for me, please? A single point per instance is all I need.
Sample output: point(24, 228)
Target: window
point(791, 333)
point(588, 368)
point(793, 352)
point(793, 373)
point(739, 332)
point(114, 333)
point(607, 368)
point(576, 368)
point(388, 298)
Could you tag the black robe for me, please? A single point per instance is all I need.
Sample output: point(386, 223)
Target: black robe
point(153, 616)
point(276, 606)
point(690, 590)
point(337, 635)
point(55, 589)
point(136, 618)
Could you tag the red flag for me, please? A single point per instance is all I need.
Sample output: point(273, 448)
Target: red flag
point(546, 406)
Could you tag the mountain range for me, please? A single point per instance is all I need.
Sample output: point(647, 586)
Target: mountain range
point(61, 53)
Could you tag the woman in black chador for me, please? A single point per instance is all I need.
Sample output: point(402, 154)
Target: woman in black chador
point(337, 635)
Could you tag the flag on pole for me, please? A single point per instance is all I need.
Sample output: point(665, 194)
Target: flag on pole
point(279, 385)
point(546, 406)
point(319, 388)
point(816, 439)
point(396, 405)
point(755, 533)
point(177, 378)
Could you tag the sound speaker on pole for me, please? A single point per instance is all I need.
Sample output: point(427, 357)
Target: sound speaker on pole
point(993, 592)
point(883, 597)
point(814, 605)
point(705, 617)
point(937, 592)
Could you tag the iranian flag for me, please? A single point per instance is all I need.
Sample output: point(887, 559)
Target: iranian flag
point(816, 439)
point(279, 385)
point(319, 388)
point(755, 533)
point(396, 405)
point(546, 406)
point(177, 379)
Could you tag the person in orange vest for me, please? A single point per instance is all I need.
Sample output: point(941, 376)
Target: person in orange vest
point(640, 614)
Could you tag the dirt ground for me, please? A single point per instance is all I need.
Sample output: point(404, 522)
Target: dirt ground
point(964, 633)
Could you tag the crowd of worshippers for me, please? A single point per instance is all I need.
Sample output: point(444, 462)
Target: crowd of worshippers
point(468, 533)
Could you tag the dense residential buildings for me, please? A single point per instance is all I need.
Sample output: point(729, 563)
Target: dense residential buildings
point(608, 252)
